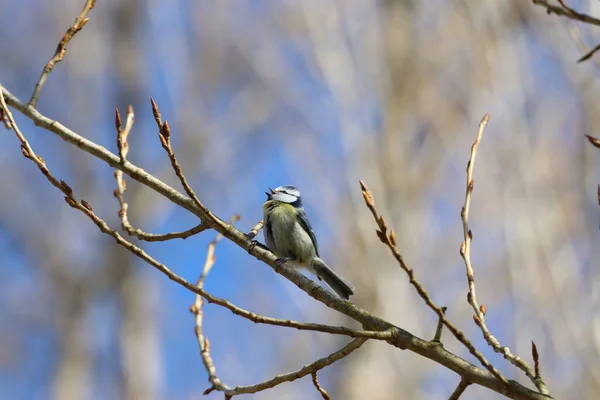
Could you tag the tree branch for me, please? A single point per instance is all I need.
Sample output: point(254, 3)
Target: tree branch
point(462, 386)
point(61, 49)
point(315, 381)
point(399, 337)
point(196, 309)
point(119, 193)
point(292, 376)
point(465, 252)
point(565, 11)
point(390, 242)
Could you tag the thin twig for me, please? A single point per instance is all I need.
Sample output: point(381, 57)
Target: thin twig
point(595, 142)
point(465, 252)
point(61, 49)
point(567, 12)
point(4, 119)
point(315, 381)
point(307, 369)
point(462, 386)
point(575, 33)
point(196, 309)
point(440, 326)
point(589, 54)
point(390, 241)
point(254, 231)
point(164, 134)
point(119, 193)
point(162, 237)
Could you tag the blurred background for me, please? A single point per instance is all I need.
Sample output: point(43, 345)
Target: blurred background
point(318, 94)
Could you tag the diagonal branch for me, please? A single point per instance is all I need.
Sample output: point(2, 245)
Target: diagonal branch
point(565, 11)
point(292, 376)
point(61, 49)
point(465, 252)
point(460, 389)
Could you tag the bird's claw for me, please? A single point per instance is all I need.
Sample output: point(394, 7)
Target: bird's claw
point(280, 261)
point(253, 244)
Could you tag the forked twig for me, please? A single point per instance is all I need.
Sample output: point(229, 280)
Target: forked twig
point(119, 193)
point(390, 241)
point(164, 134)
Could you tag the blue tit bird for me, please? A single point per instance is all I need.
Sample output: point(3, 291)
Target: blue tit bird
point(289, 236)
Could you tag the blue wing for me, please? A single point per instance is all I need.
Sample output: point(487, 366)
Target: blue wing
point(303, 220)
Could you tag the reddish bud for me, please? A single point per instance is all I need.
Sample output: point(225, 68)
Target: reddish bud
point(86, 205)
point(25, 152)
point(155, 112)
point(367, 195)
point(381, 236)
point(118, 122)
point(166, 130)
point(66, 188)
point(595, 142)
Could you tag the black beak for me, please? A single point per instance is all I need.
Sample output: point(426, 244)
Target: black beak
point(269, 195)
point(272, 190)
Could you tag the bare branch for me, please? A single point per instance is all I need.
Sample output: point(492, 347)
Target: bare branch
point(595, 142)
point(440, 326)
point(162, 237)
point(164, 134)
point(465, 252)
point(308, 369)
point(589, 54)
point(399, 337)
point(119, 193)
point(196, 309)
point(315, 381)
point(254, 231)
point(565, 11)
point(390, 241)
point(462, 386)
point(61, 49)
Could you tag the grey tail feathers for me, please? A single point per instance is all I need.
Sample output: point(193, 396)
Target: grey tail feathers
point(339, 285)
